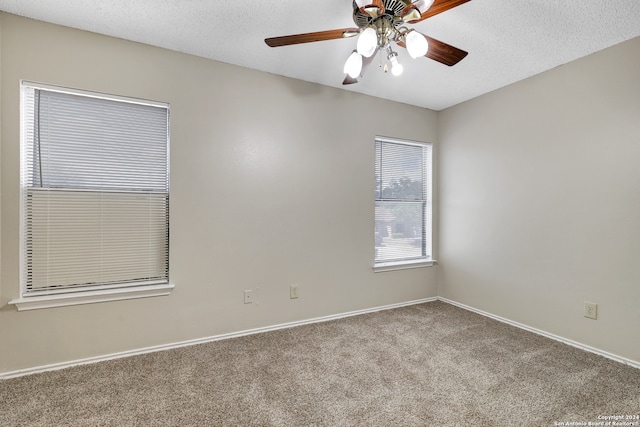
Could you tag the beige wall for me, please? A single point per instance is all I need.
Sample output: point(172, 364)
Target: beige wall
point(272, 184)
point(0, 158)
point(540, 201)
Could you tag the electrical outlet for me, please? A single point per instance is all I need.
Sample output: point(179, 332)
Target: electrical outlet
point(248, 297)
point(294, 291)
point(591, 310)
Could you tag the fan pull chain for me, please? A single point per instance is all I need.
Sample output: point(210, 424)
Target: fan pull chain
point(382, 61)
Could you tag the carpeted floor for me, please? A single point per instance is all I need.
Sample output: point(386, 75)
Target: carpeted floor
point(431, 364)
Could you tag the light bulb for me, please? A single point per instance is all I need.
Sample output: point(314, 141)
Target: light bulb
point(367, 42)
point(353, 66)
point(396, 67)
point(417, 44)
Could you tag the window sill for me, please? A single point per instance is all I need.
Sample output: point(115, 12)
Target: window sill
point(402, 265)
point(90, 297)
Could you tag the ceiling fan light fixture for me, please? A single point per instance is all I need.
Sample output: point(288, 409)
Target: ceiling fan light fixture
point(353, 66)
point(379, 23)
point(367, 42)
point(417, 44)
point(396, 67)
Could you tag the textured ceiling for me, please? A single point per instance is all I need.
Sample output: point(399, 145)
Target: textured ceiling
point(507, 41)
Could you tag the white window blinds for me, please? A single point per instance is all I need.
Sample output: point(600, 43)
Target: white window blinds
point(403, 201)
point(95, 191)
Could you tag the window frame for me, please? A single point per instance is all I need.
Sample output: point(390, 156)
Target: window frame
point(427, 259)
point(84, 294)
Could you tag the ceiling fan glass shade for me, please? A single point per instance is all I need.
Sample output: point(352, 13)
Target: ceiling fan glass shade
point(417, 44)
point(367, 42)
point(423, 5)
point(353, 66)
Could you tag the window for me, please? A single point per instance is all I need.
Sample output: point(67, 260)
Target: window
point(403, 204)
point(95, 196)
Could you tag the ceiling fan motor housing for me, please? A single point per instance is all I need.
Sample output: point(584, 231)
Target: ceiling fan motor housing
point(393, 8)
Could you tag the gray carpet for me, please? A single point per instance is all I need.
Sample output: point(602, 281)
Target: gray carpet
point(425, 365)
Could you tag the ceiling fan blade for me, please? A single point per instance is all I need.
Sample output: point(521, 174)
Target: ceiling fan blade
point(312, 37)
point(348, 80)
point(442, 52)
point(439, 6)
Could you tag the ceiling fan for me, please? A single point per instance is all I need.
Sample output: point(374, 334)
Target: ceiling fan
point(381, 22)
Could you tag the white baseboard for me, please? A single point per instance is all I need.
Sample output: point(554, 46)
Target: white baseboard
point(119, 355)
point(572, 343)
